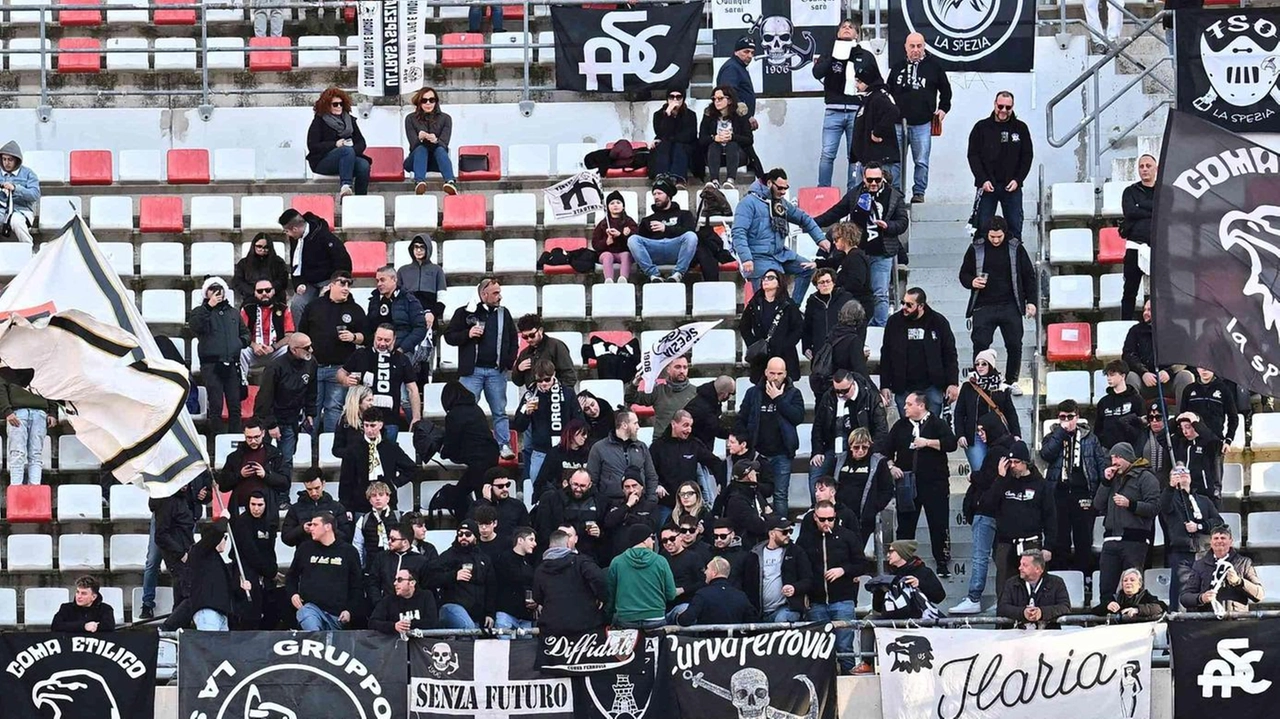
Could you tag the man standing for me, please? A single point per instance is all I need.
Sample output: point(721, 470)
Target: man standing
point(369, 460)
point(835, 555)
point(335, 323)
point(666, 236)
point(1000, 155)
point(746, 506)
point(20, 192)
point(545, 408)
point(383, 568)
point(852, 402)
point(387, 371)
point(29, 418)
point(464, 579)
point(877, 207)
point(1118, 415)
point(761, 232)
point(316, 254)
point(706, 406)
point(254, 466)
point(1213, 400)
point(679, 458)
point(1076, 462)
point(570, 589)
point(919, 443)
point(1129, 497)
point(668, 397)
point(254, 532)
point(485, 335)
point(919, 355)
point(727, 544)
point(1024, 511)
point(640, 583)
point(846, 59)
point(776, 575)
point(769, 415)
point(923, 93)
point(734, 74)
point(1222, 579)
point(269, 322)
point(221, 334)
point(610, 457)
point(1188, 520)
point(1196, 449)
point(998, 271)
point(286, 402)
point(389, 305)
point(325, 584)
point(537, 345)
point(874, 139)
point(1034, 597)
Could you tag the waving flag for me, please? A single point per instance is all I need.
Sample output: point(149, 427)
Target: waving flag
point(670, 346)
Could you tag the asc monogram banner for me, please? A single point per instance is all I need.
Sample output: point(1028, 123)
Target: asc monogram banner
point(391, 46)
point(787, 33)
point(63, 676)
point(1228, 65)
point(625, 50)
point(969, 36)
point(1227, 669)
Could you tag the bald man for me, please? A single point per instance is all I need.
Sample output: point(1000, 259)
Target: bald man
point(920, 87)
point(769, 415)
point(287, 396)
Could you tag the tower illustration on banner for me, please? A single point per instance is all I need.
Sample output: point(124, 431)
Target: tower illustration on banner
point(788, 34)
point(624, 697)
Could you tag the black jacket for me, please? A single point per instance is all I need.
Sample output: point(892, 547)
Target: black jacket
point(878, 116)
point(744, 505)
point(72, 617)
point(742, 137)
point(1199, 579)
point(255, 541)
point(851, 487)
point(467, 437)
point(757, 318)
point(469, 348)
point(322, 253)
point(936, 342)
point(1176, 510)
point(1148, 605)
point(853, 274)
point(687, 570)
point(251, 269)
point(1215, 403)
point(681, 129)
point(1093, 459)
point(848, 352)
point(560, 463)
point(558, 506)
point(618, 517)
point(304, 509)
point(320, 321)
point(548, 420)
point(381, 568)
point(970, 406)
point(920, 88)
point(221, 332)
point(322, 139)
point(930, 586)
point(1024, 508)
point(571, 589)
point(287, 392)
point(275, 485)
point(1051, 597)
point(478, 596)
point(1118, 417)
point(887, 205)
point(676, 221)
point(930, 465)
point(1000, 152)
point(833, 74)
point(677, 461)
point(736, 555)
point(796, 571)
point(842, 547)
point(516, 573)
point(1201, 457)
point(718, 603)
point(1140, 349)
point(706, 408)
point(979, 499)
point(213, 584)
point(1135, 522)
point(1008, 280)
point(420, 611)
point(820, 315)
point(398, 469)
point(328, 577)
point(1138, 204)
point(866, 410)
point(175, 519)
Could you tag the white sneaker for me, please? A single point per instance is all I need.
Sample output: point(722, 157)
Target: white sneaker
point(345, 190)
point(507, 452)
point(967, 606)
point(727, 185)
point(623, 280)
point(1015, 390)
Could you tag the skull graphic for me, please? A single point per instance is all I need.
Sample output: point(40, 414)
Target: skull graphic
point(1243, 71)
point(443, 661)
point(750, 690)
point(778, 37)
point(775, 32)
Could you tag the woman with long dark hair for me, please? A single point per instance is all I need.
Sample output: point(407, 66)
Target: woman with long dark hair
point(725, 136)
point(773, 318)
point(259, 263)
point(565, 458)
point(335, 145)
point(429, 130)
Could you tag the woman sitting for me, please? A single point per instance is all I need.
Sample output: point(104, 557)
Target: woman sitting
point(335, 145)
point(1133, 601)
point(429, 131)
point(724, 136)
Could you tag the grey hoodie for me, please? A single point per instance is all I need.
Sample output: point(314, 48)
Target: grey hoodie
point(26, 186)
point(425, 277)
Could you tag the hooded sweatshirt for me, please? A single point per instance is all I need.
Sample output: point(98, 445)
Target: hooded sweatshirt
point(26, 186)
point(640, 585)
point(424, 280)
point(327, 576)
point(878, 116)
point(1000, 151)
point(467, 437)
point(571, 589)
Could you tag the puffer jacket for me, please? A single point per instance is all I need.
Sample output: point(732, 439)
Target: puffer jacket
point(404, 314)
point(754, 236)
point(26, 185)
point(1093, 459)
point(220, 329)
point(1137, 521)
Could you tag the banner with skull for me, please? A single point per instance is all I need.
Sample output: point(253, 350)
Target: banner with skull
point(967, 35)
point(771, 675)
point(485, 679)
point(80, 676)
point(787, 33)
point(1228, 66)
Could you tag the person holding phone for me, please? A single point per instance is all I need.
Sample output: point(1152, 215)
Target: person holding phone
point(221, 333)
point(253, 466)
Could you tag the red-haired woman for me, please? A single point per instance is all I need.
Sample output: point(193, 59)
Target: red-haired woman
point(335, 145)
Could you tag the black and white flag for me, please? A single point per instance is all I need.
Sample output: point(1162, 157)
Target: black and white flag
point(80, 676)
point(356, 674)
point(788, 34)
point(1216, 255)
point(1228, 66)
point(391, 56)
point(646, 48)
point(577, 196)
point(1227, 669)
point(615, 673)
point(483, 679)
point(968, 35)
point(790, 672)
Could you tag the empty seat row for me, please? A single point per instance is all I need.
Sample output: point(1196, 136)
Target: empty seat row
point(76, 552)
point(1076, 292)
point(1075, 246)
point(1073, 341)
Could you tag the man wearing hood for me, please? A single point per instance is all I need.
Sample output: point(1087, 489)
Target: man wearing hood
point(316, 254)
point(981, 508)
point(388, 304)
point(769, 414)
point(423, 278)
point(217, 588)
point(841, 105)
point(254, 532)
point(920, 87)
point(849, 403)
point(640, 583)
point(1197, 449)
point(877, 208)
point(666, 236)
point(222, 334)
point(1004, 288)
point(1140, 354)
point(467, 441)
point(19, 194)
point(86, 612)
point(570, 590)
point(260, 263)
point(311, 501)
point(1075, 461)
point(1024, 508)
point(335, 324)
point(761, 232)
point(286, 402)
point(1129, 498)
point(1000, 156)
point(874, 135)
point(464, 579)
point(919, 354)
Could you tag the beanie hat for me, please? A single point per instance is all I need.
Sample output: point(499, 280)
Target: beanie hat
point(906, 548)
point(870, 74)
point(987, 355)
point(471, 526)
point(1020, 452)
point(665, 184)
point(615, 195)
point(637, 533)
point(744, 43)
point(1124, 451)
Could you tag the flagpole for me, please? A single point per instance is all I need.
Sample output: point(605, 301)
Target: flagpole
point(231, 541)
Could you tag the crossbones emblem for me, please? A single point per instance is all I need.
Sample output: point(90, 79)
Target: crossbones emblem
point(748, 692)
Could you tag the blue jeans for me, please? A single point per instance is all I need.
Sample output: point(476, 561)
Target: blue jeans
point(26, 445)
point(708, 484)
point(781, 465)
point(314, 619)
point(151, 570)
point(976, 452)
point(640, 623)
point(920, 139)
point(793, 266)
point(505, 621)
point(536, 459)
point(494, 385)
point(984, 537)
point(476, 16)
point(288, 445)
point(208, 620)
point(423, 160)
point(826, 468)
point(329, 396)
point(651, 252)
point(453, 616)
point(837, 611)
point(780, 615)
point(881, 277)
point(1010, 206)
point(676, 611)
point(836, 125)
point(932, 397)
point(350, 168)
point(671, 158)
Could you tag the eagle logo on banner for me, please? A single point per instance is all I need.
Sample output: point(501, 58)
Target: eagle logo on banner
point(910, 654)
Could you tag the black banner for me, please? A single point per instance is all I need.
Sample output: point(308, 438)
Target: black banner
point(1216, 254)
point(984, 36)
point(487, 677)
point(78, 676)
point(788, 35)
point(349, 674)
point(1228, 65)
point(650, 47)
point(1225, 669)
point(615, 673)
point(770, 674)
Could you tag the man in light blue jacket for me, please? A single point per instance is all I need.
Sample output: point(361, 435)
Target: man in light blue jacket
point(19, 193)
point(760, 230)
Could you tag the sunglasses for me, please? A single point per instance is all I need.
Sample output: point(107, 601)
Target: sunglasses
point(260, 247)
point(687, 493)
point(909, 305)
point(337, 103)
point(344, 283)
point(873, 180)
point(1065, 417)
point(546, 380)
point(688, 530)
point(403, 579)
point(306, 348)
point(825, 519)
point(669, 540)
point(1003, 107)
point(428, 101)
point(863, 447)
point(528, 335)
point(261, 291)
point(501, 485)
point(718, 535)
point(675, 96)
point(465, 533)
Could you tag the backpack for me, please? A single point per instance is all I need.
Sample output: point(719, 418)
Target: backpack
point(713, 203)
point(822, 366)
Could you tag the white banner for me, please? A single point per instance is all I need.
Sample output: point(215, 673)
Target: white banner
point(577, 196)
point(391, 56)
point(670, 346)
point(1003, 674)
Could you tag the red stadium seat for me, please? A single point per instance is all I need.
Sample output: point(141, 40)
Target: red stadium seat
point(224, 499)
point(277, 58)
point(817, 200)
point(246, 404)
point(1070, 342)
point(188, 167)
point(464, 212)
point(366, 257)
point(160, 213)
point(491, 152)
point(620, 172)
point(747, 291)
point(29, 503)
point(319, 205)
point(512, 12)
point(79, 18)
point(617, 337)
point(388, 164)
point(568, 244)
point(514, 462)
point(1110, 246)
point(175, 17)
point(79, 61)
point(91, 167)
point(457, 53)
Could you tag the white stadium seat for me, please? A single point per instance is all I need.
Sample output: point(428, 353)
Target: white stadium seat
point(528, 161)
point(1264, 477)
point(119, 255)
point(521, 299)
point(1072, 245)
point(569, 156)
point(319, 52)
point(49, 165)
point(236, 164)
point(367, 212)
point(128, 15)
point(546, 38)
point(81, 552)
point(127, 54)
point(8, 607)
point(163, 259)
point(715, 299)
point(213, 259)
point(30, 553)
point(13, 257)
point(1233, 480)
point(716, 347)
point(1111, 291)
point(1266, 430)
point(564, 302)
point(164, 306)
point(1072, 200)
point(416, 212)
point(261, 213)
point(141, 166)
point(515, 210)
point(79, 502)
point(129, 502)
point(112, 212)
point(875, 341)
point(464, 257)
point(572, 340)
point(1110, 338)
point(128, 552)
point(1075, 586)
point(26, 60)
point(164, 599)
point(1064, 385)
point(613, 300)
point(40, 604)
point(175, 60)
point(213, 212)
point(225, 53)
point(1112, 194)
point(515, 255)
point(282, 163)
point(56, 211)
point(1070, 292)
point(664, 299)
point(1264, 530)
point(327, 458)
point(513, 53)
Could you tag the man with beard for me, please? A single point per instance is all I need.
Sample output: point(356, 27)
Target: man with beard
point(1000, 156)
point(1129, 498)
point(496, 493)
point(877, 208)
point(1075, 461)
point(923, 93)
point(577, 506)
point(383, 568)
point(835, 556)
point(545, 407)
point(919, 354)
point(634, 509)
point(570, 588)
point(1118, 415)
point(726, 544)
point(1196, 448)
point(251, 467)
point(825, 491)
point(405, 608)
point(850, 403)
point(776, 575)
point(387, 372)
point(761, 233)
point(919, 443)
point(612, 456)
point(316, 255)
point(745, 505)
point(706, 407)
point(311, 501)
point(286, 402)
point(1024, 511)
point(998, 271)
point(254, 532)
point(874, 138)
point(389, 305)
point(686, 569)
point(666, 237)
point(679, 458)
point(863, 481)
point(269, 321)
point(465, 582)
point(668, 397)
point(1034, 598)
point(485, 335)
point(538, 346)
point(1187, 519)
point(1140, 354)
point(335, 323)
point(769, 414)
